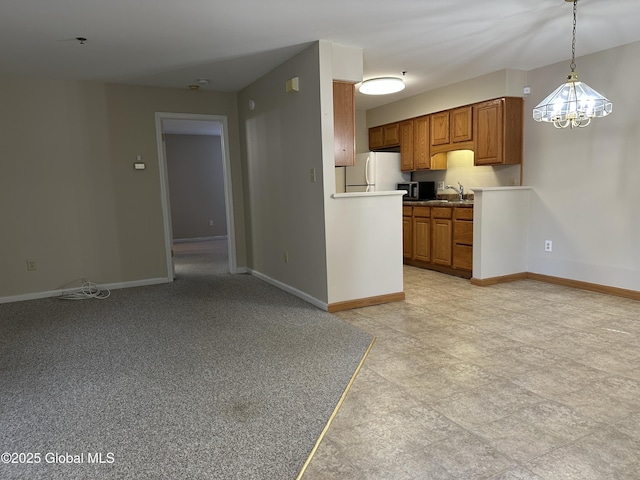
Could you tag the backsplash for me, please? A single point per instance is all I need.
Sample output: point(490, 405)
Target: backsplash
point(460, 168)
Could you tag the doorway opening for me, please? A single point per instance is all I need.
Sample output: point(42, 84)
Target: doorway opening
point(195, 124)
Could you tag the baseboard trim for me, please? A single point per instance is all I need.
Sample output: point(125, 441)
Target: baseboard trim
point(593, 287)
point(485, 282)
point(566, 282)
point(59, 292)
point(365, 302)
point(289, 289)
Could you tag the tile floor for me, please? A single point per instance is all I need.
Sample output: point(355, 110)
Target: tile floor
point(524, 380)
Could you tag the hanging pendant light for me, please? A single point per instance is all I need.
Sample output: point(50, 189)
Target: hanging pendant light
point(573, 104)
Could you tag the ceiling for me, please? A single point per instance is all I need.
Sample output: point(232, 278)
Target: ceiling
point(172, 44)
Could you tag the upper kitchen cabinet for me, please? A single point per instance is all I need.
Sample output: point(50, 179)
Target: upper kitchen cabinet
point(415, 148)
point(421, 156)
point(440, 128)
point(497, 131)
point(407, 147)
point(384, 136)
point(451, 130)
point(461, 125)
point(344, 123)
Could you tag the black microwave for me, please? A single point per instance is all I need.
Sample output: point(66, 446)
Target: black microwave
point(418, 190)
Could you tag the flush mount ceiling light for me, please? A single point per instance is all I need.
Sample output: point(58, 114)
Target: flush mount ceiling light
point(381, 86)
point(574, 103)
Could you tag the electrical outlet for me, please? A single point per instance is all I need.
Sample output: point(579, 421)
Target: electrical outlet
point(32, 265)
point(548, 246)
point(211, 223)
point(440, 185)
point(312, 175)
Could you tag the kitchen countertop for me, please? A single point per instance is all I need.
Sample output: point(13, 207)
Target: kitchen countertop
point(438, 203)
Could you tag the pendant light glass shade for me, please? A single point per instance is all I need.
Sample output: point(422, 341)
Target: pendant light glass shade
point(574, 103)
point(381, 86)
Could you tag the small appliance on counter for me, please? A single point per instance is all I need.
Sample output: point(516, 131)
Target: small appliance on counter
point(418, 190)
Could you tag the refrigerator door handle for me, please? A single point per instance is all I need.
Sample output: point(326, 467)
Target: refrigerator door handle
point(366, 172)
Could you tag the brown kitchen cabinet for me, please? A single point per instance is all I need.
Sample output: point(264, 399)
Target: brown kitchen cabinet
point(461, 124)
point(421, 156)
point(384, 136)
point(422, 233)
point(415, 148)
point(407, 232)
point(451, 130)
point(344, 123)
point(463, 238)
point(497, 131)
point(407, 146)
point(439, 128)
point(441, 236)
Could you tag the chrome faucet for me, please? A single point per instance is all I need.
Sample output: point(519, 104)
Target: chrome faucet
point(460, 192)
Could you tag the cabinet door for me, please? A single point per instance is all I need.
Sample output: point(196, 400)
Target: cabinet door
point(376, 140)
point(461, 125)
point(441, 247)
point(391, 135)
point(422, 239)
point(463, 257)
point(344, 124)
point(439, 128)
point(421, 157)
point(407, 237)
point(406, 146)
point(488, 133)
point(463, 232)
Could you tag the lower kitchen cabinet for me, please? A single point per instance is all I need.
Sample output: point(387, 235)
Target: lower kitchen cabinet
point(422, 233)
point(439, 238)
point(463, 238)
point(407, 232)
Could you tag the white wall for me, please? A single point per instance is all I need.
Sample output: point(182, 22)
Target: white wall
point(365, 247)
point(364, 233)
point(586, 194)
point(500, 231)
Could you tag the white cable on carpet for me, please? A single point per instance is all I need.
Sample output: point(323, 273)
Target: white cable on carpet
point(87, 290)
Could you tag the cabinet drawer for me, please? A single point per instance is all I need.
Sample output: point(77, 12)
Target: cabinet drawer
point(406, 210)
point(441, 212)
point(463, 233)
point(463, 257)
point(463, 214)
point(421, 211)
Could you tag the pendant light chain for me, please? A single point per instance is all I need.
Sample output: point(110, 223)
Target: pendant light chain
point(573, 42)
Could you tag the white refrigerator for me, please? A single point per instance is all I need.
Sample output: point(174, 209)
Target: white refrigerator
point(375, 172)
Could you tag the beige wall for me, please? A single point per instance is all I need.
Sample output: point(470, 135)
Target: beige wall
point(498, 84)
point(282, 142)
point(69, 197)
point(196, 186)
point(585, 180)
